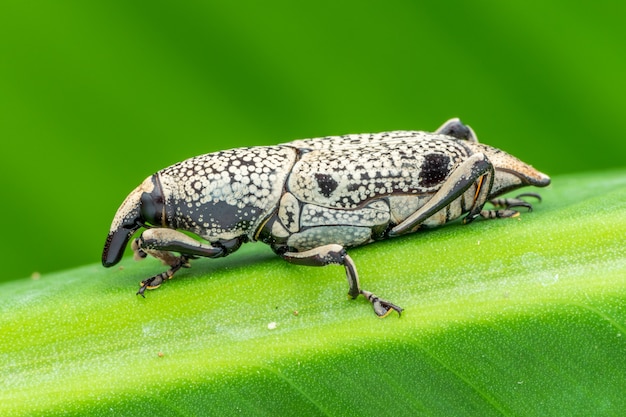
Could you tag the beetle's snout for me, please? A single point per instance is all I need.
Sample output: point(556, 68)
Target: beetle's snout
point(115, 244)
point(142, 205)
point(125, 223)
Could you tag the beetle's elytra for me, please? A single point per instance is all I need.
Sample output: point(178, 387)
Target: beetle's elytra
point(311, 199)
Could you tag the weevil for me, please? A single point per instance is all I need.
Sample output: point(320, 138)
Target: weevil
point(310, 199)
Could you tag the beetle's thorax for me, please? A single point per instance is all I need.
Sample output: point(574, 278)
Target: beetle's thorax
point(226, 194)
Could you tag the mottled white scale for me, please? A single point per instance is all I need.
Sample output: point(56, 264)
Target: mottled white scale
point(314, 237)
point(374, 214)
point(224, 194)
point(364, 139)
point(348, 171)
point(289, 212)
point(279, 231)
point(402, 206)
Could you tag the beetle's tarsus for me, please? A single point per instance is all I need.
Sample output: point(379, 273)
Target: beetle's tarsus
point(155, 281)
point(499, 214)
point(151, 283)
point(515, 202)
point(382, 308)
point(507, 204)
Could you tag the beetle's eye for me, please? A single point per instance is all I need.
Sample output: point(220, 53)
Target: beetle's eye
point(151, 208)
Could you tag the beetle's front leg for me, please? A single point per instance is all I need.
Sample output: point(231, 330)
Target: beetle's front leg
point(336, 254)
point(161, 242)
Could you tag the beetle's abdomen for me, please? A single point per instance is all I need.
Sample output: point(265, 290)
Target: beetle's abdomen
point(348, 177)
point(226, 194)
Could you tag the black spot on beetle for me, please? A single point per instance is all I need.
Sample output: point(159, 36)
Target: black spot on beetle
point(326, 183)
point(435, 169)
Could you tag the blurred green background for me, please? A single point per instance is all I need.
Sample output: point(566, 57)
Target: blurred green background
point(96, 95)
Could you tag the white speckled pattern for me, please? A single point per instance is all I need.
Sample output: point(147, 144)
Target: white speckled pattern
point(310, 192)
point(344, 176)
point(226, 194)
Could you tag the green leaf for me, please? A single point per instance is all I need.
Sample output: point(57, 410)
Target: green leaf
point(519, 316)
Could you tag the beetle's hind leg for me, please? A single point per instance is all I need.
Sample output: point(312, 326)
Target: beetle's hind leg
point(336, 254)
point(507, 204)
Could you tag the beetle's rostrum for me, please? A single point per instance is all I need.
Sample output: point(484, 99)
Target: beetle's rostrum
point(311, 199)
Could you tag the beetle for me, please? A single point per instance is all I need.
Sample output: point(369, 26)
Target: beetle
point(310, 199)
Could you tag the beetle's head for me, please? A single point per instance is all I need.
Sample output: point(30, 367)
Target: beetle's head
point(144, 206)
point(510, 172)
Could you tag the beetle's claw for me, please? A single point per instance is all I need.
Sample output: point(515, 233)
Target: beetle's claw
point(382, 308)
point(156, 281)
point(534, 195)
point(150, 284)
point(519, 203)
point(508, 203)
point(142, 289)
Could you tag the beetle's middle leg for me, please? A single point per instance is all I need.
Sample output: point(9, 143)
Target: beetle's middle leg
point(336, 254)
point(161, 242)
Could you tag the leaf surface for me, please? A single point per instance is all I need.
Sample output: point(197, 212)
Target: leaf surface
point(519, 316)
